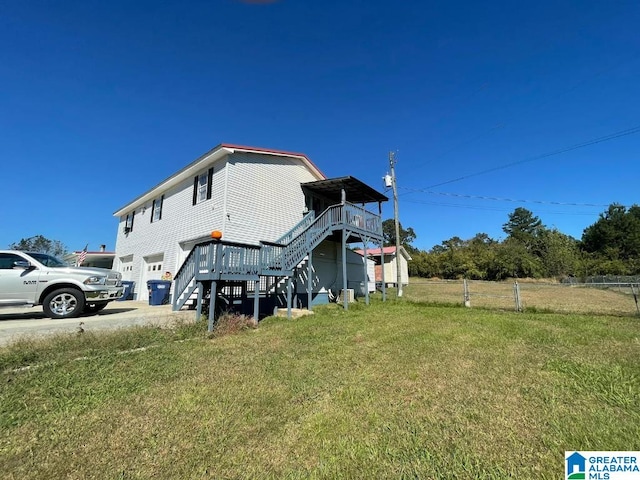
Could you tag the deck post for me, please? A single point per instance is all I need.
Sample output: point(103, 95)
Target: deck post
point(256, 300)
point(310, 280)
point(289, 282)
point(294, 288)
point(212, 304)
point(366, 279)
point(199, 304)
point(345, 300)
point(384, 285)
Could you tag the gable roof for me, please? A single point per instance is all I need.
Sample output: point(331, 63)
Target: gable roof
point(204, 161)
point(388, 251)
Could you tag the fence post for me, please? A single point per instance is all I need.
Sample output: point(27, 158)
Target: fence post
point(635, 296)
point(516, 294)
point(466, 296)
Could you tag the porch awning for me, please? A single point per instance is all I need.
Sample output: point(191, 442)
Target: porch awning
point(356, 191)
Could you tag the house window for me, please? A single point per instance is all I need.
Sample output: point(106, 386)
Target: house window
point(128, 224)
point(202, 186)
point(156, 209)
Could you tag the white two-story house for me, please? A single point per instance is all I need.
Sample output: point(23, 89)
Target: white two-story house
point(250, 195)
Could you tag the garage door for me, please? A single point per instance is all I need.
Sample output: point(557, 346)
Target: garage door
point(126, 267)
point(153, 265)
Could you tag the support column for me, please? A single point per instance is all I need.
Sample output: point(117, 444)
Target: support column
point(256, 300)
point(212, 304)
point(345, 300)
point(294, 287)
point(199, 304)
point(384, 284)
point(289, 281)
point(366, 265)
point(310, 280)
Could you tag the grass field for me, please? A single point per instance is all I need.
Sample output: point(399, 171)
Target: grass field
point(535, 295)
point(394, 390)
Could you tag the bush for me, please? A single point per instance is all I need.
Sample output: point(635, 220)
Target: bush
point(230, 323)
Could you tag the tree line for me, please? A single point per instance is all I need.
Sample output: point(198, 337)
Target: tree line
point(611, 246)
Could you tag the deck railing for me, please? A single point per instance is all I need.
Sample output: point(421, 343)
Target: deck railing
point(212, 259)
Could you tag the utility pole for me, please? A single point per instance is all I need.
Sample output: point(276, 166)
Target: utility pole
point(392, 163)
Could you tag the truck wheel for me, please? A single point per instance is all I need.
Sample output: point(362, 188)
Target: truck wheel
point(94, 307)
point(63, 303)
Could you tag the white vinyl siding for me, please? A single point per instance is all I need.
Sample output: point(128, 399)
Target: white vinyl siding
point(181, 221)
point(327, 270)
point(253, 197)
point(264, 197)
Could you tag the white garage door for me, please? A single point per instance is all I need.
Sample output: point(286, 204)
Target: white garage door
point(126, 267)
point(153, 269)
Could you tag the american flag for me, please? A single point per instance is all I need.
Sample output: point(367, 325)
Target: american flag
point(82, 255)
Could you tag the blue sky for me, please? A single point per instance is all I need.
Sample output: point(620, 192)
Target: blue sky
point(100, 101)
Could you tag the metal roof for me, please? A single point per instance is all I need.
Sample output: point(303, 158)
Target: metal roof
point(356, 191)
point(388, 251)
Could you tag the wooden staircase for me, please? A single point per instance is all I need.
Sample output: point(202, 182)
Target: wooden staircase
point(215, 265)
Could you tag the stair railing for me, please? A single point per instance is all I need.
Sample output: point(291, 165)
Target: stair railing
point(297, 229)
point(214, 258)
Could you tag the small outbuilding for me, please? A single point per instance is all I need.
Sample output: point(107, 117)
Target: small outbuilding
point(391, 262)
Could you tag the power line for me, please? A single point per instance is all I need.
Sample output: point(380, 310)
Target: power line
point(543, 104)
point(502, 199)
point(605, 138)
point(494, 209)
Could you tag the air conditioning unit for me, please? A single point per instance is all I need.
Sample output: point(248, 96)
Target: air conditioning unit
point(350, 296)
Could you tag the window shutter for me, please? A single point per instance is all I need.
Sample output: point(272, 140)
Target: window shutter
point(195, 190)
point(209, 182)
point(153, 209)
point(133, 214)
point(161, 205)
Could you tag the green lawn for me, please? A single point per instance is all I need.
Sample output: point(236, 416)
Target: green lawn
point(395, 390)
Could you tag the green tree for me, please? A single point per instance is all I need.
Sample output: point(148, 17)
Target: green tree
point(559, 254)
point(615, 235)
point(406, 236)
point(524, 227)
point(482, 249)
point(514, 260)
point(40, 244)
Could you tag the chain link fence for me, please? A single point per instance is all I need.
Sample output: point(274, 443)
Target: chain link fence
point(611, 298)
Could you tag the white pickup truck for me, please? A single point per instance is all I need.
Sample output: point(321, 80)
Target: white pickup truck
point(28, 279)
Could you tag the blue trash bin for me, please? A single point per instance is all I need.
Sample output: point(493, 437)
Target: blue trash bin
point(127, 294)
point(158, 291)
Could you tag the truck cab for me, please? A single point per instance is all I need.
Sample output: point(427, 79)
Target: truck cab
point(31, 278)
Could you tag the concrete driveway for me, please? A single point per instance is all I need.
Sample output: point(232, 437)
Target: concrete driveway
point(20, 322)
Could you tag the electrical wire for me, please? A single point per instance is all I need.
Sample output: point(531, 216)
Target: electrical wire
point(494, 209)
point(551, 100)
point(611, 136)
point(502, 199)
